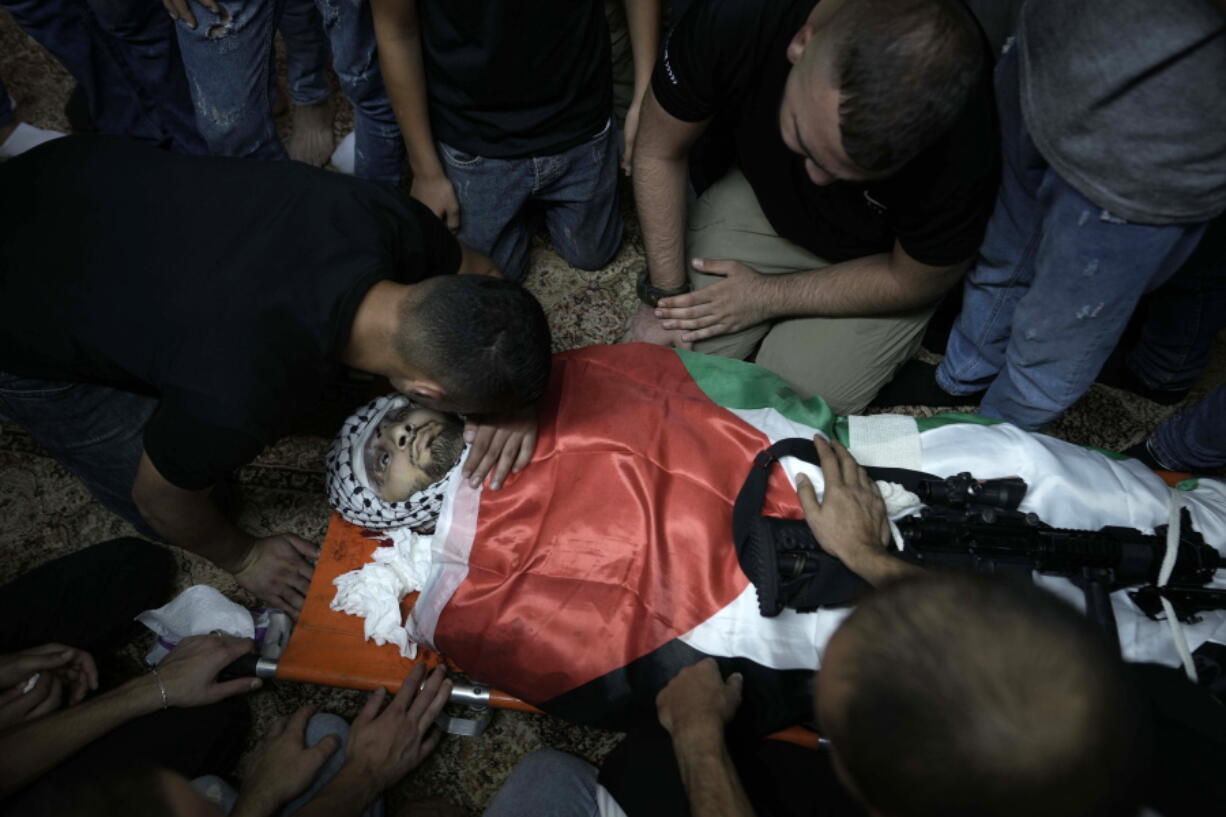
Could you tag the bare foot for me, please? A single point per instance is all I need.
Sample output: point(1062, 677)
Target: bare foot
point(311, 139)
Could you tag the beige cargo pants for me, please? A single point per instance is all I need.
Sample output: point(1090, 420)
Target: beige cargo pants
point(844, 360)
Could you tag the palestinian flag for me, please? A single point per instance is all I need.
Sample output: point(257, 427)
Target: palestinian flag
point(606, 565)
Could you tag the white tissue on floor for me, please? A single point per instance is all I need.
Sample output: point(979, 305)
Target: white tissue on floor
point(198, 610)
point(374, 591)
point(26, 137)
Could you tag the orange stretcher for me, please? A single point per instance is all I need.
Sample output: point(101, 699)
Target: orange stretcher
point(328, 647)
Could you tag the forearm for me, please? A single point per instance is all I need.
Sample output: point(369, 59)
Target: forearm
point(872, 285)
point(643, 22)
point(251, 805)
point(659, 194)
point(710, 779)
point(30, 750)
point(398, 35)
point(877, 566)
point(189, 519)
point(346, 795)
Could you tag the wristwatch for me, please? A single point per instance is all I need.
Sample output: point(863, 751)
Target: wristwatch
point(651, 295)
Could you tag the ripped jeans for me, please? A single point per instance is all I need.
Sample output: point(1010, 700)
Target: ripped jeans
point(1056, 281)
point(575, 193)
point(230, 70)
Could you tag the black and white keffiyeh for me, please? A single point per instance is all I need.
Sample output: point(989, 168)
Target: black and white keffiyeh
point(349, 490)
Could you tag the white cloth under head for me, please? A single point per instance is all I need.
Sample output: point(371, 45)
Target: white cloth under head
point(374, 591)
point(349, 490)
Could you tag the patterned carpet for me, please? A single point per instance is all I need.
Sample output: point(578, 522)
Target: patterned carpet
point(48, 513)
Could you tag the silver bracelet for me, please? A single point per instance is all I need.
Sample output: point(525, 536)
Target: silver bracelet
point(161, 687)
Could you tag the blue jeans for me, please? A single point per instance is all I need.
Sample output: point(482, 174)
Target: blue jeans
point(306, 53)
point(230, 69)
point(222, 794)
point(124, 57)
point(547, 783)
point(1194, 440)
point(500, 202)
point(1056, 281)
point(95, 432)
point(1183, 317)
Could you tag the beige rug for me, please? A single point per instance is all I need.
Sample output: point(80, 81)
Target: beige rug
point(47, 512)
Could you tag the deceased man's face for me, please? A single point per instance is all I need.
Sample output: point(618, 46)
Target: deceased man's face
point(410, 449)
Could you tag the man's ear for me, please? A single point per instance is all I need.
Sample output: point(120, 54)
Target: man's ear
point(801, 40)
point(424, 388)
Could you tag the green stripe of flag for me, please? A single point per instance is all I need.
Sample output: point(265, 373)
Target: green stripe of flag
point(736, 384)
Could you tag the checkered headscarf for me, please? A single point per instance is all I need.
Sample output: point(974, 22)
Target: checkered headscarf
point(349, 490)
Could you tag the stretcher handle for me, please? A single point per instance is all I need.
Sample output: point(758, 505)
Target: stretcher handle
point(475, 696)
point(251, 665)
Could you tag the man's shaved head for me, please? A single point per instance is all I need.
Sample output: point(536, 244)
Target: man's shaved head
point(485, 340)
point(960, 695)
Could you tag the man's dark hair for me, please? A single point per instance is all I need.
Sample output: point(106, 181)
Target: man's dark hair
point(484, 339)
point(904, 70)
point(969, 695)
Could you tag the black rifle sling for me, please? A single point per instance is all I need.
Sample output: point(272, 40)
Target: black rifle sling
point(758, 538)
point(753, 493)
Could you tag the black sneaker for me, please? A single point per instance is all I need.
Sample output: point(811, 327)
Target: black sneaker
point(1141, 452)
point(1117, 375)
point(915, 384)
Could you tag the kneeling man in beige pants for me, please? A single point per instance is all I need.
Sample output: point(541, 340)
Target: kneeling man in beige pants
point(847, 159)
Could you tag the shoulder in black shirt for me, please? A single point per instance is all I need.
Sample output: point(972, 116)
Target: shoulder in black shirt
point(514, 78)
point(726, 61)
point(227, 287)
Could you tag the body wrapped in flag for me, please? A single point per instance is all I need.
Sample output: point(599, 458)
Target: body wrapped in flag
point(594, 574)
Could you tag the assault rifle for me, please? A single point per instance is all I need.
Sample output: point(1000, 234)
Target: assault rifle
point(971, 525)
point(977, 525)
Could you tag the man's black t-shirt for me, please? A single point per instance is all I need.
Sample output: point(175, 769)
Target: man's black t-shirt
point(726, 60)
point(225, 287)
point(514, 78)
point(780, 779)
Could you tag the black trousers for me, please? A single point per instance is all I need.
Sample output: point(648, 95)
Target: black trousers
point(88, 600)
